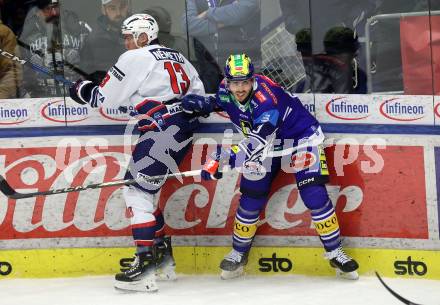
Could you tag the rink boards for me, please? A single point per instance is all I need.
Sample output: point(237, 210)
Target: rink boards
point(384, 186)
point(72, 262)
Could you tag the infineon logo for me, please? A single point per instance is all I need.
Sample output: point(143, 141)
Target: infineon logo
point(396, 110)
point(57, 111)
point(342, 109)
point(115, 114)
point(13, 116)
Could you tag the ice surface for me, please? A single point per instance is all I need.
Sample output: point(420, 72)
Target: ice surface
point(211, 290)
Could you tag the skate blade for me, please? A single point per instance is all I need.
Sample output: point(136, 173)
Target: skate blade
point(145, 285)
point(167, 273)
point(347, 275)
point(227, 275)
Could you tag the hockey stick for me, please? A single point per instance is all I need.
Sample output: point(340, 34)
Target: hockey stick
point(6, 189)
point(59, 78)
point(399, 297)
point(46, 71)
point(35, 67)
point(65, 62)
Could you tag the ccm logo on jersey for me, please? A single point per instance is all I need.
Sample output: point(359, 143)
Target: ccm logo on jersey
point(117, 73)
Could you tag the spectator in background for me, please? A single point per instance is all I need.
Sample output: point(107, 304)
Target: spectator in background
point(322, 15)
point(385, 58)
point(105, 44)
point(10, 71)
point(13, 14)
point(318, 17)
point(342, 45)
point(337, 69)
point(50, 41)
point(163, 18)
point(221, 28)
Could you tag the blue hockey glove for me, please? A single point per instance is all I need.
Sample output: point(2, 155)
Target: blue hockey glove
point(197, 104)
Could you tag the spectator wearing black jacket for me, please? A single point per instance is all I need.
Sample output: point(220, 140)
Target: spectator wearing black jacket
point(50, 41)
point(105, 44)
point(221, 28)
point(337, 69)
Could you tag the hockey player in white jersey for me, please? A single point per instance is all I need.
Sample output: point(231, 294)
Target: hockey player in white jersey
point(151, 78)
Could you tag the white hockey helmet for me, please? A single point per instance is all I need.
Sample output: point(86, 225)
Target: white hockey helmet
point(141, 23)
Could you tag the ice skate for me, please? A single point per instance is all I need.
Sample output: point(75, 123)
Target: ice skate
point(345, 266)
point(140, 276)
point(232, 265)
point(165, 264)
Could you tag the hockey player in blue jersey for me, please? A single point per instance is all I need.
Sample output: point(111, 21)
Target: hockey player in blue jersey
point(279, 134)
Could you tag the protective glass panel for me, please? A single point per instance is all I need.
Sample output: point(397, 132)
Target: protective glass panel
point(220, 28)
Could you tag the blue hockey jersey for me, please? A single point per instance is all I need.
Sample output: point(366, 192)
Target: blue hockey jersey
point(270, 120)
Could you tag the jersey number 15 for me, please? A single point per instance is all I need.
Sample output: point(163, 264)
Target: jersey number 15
point(174, 69)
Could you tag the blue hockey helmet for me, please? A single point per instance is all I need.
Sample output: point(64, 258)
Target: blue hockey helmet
point(239, 67)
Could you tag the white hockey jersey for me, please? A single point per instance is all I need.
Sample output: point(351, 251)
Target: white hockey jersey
point(153, 73)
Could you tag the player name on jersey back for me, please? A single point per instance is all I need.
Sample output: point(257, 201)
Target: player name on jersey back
point(167, 54)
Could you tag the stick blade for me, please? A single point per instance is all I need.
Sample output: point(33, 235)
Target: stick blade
point(395, 294)
point(6, 189)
